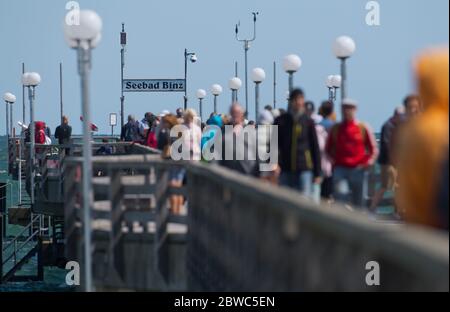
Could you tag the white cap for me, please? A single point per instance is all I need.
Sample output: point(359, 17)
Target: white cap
point(349, 102)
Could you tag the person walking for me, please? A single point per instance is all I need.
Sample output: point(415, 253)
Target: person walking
point(388, 170)
point(299, 152)
point(352, 148)
point(422, 146)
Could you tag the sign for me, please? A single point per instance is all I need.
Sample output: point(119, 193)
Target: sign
point(153, 85)
point(113, 119)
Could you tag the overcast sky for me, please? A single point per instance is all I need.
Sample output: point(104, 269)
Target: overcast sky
point(158, 31)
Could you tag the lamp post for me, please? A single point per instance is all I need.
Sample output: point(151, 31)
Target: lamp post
point(333, 83)
point(84, 37)
point(216, 90)
point(246, 48)
point(31, 81)
point(10, 99)
point(123, 43)
point(343, 48)
point(258, 76)
point(201, 94)
point(291, 64)
point(234, 84)
point(193, 59)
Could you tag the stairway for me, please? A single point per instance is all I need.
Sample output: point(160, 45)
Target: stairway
point(18, 252)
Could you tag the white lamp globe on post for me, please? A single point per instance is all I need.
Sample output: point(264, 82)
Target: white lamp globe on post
point(10, 99)
point(201, 94)
point(84, 36)
point(291, 64)
point(234, 84)
point(343, 48)
point(31, 81)
point(216, 90)
point(333, 82)
point(258, 75)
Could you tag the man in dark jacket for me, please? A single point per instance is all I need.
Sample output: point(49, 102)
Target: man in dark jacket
point(63, 132)
point(388, 171)
point(299, 154)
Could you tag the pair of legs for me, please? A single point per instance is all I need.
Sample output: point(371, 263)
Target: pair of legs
point(300, 181)
point(350, 185)
point(388, 183)
point(176, 182)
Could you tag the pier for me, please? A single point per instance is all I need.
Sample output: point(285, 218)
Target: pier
point(235, 232)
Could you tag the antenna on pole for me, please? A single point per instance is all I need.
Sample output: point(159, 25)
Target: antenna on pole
point(246, 48)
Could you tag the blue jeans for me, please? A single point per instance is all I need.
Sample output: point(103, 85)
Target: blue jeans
point(350, 185)
point(301, 181)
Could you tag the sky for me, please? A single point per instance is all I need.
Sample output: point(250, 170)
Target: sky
point(379, 73)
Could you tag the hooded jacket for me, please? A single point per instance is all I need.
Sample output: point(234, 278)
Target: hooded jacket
point(422, 146)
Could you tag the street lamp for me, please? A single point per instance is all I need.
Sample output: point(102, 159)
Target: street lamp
point(193, 58)
point(216, 90)
point(291, 64)
point(84, 37)
point(343, 48)
point(234, 84)
point(333, 83)
point(201, 94)
point(246, 48)
point(10, 99)
point(31, 81)
point(123, 44)
point(258, 76)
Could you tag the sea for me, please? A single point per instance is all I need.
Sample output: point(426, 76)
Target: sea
point(54, 277)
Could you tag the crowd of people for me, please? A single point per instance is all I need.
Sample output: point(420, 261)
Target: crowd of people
point(324, 159)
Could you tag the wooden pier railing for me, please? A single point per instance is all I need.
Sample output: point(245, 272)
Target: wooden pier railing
point(239, 234)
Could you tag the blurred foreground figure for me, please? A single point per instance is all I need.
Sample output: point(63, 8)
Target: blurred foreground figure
point(422, 149)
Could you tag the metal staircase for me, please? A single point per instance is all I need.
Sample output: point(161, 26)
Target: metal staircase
point(18, 251)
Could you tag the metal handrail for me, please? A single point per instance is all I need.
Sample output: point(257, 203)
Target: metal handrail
point(16, 238)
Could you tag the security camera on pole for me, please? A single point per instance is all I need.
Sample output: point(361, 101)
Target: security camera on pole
point(84, 37)
point(193, 58)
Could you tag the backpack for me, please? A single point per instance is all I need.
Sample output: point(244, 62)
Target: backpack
point(334, 136)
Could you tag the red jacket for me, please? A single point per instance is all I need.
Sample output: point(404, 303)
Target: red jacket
point(151, 140)
point(39, 132)
point(351, 144)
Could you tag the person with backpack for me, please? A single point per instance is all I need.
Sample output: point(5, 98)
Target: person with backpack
point(352, 148)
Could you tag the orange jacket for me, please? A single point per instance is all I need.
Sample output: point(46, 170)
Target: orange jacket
point(423, 143)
